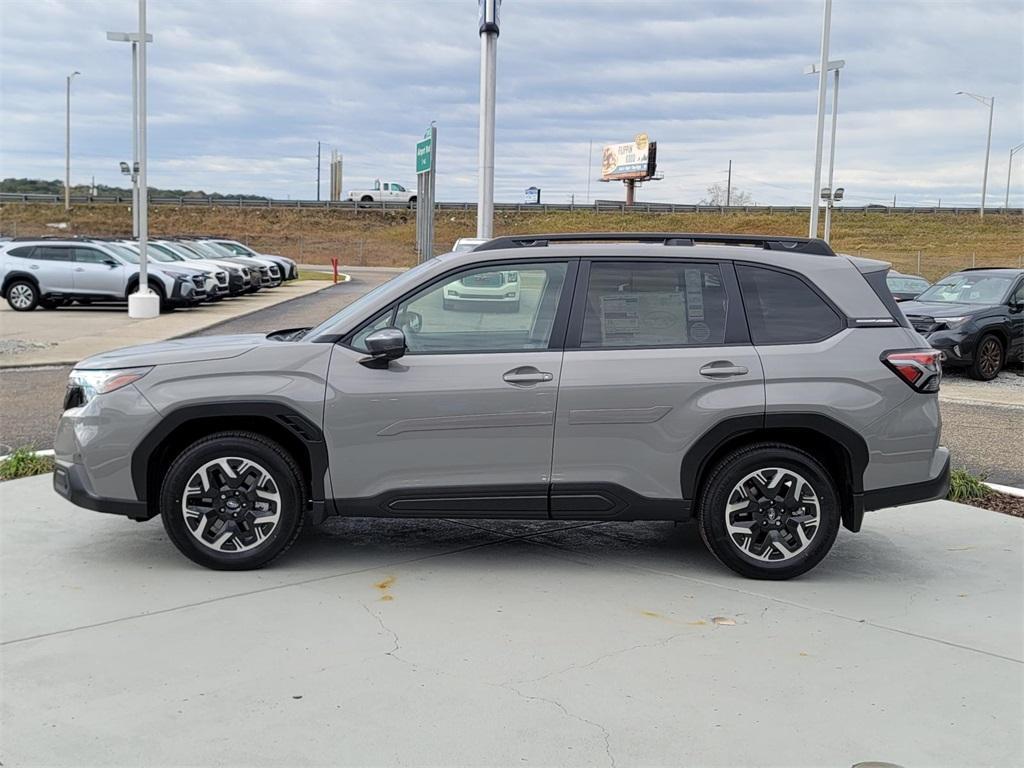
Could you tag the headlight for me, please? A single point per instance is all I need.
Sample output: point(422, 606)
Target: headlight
point(174, 274)
point(93, 383)
point(953, 322)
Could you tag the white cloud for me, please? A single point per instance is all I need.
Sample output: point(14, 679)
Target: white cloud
point(241, 90)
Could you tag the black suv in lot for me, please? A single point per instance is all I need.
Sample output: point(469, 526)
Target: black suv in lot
point(975, 318)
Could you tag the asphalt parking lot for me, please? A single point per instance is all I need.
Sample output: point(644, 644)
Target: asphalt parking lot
point(377, 642)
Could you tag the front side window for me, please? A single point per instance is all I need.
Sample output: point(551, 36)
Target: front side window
point(651, 304)
point(90, 256)
point(783, 309)
point(483, 309)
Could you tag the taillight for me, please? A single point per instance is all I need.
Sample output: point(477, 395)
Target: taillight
point(922, 370)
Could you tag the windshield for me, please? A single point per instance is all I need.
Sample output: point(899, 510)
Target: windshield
point(163, 253)
point(237, 249)
point(203, 250)
point(968, 289)
point(184, 251)
point(361, 305)
point(218, 249)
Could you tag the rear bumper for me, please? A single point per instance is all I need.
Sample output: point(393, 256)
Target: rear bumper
point(935, 487)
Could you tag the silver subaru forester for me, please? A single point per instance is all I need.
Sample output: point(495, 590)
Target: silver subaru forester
point(764, 387)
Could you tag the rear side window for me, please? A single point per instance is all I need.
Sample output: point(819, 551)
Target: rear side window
point(782, 308)
point(650, 304)
point(22, 253)
point(52, 253)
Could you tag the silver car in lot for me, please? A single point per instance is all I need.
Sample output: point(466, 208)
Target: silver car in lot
point(51, 272)
point(289, 269)
point(765, 388)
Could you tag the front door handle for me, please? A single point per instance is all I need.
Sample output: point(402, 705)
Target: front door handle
point(79, 269)
point(526, 375)
point(722, 368)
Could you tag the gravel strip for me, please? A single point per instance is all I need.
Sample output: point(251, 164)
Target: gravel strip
point(17, 346)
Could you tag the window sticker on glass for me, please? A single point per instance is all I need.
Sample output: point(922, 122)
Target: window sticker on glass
point(654, 317)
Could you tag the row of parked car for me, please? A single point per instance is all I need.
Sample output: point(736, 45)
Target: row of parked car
point(54, 272)
point(975, 317)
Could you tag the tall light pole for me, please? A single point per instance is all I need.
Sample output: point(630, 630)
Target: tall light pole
point(1009, 170)
point(990, 102)
point(143, 303)
point(489, 10)
point(67, 145)
point(826, 28)
point(833, 66)
point(129, 37)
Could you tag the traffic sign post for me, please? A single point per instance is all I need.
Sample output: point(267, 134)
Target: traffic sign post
point(426, 175)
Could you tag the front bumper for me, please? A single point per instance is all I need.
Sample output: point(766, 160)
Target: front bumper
point(187, 292)
point(957, 347)
point(69, 480)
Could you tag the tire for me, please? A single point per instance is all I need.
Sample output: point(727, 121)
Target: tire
point(989, 357)
point(232, 525)
point(22, 295)
point(412, 201)
point(769, 519)
point(155, 288)
point(366, 199)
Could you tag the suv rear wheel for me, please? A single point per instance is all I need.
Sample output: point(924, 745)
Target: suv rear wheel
point(769, 511)
point(22, 295)
point(232, 501)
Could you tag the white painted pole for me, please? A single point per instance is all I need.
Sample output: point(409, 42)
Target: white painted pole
point(826, 27)
point(1009, 172)
point(144, 303)
point(135, 140)
point(67, 144)
point(590, 167)
point(832, 158)
point(488, 78)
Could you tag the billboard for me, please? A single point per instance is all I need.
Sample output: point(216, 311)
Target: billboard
point(627, 161)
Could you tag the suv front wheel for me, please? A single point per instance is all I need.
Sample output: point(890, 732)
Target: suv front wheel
point(233, 501)
point(22, 295)
point(769, 511)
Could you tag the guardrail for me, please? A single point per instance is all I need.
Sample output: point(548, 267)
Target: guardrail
point(600, 206)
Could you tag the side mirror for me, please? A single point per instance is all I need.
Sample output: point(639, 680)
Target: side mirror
point(111, 263)
point(1017, 306)
point(384, 345)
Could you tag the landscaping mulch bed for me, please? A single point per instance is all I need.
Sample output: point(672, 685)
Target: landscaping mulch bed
point(999, 502)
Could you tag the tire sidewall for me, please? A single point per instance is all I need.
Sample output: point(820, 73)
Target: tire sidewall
point(738, 466)
point(35, 295)
point(269, 458)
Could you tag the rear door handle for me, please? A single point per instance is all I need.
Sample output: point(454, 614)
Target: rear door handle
point(722, 368)
point(526, 375)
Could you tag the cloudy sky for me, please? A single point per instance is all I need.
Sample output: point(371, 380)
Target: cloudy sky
point(240, 91)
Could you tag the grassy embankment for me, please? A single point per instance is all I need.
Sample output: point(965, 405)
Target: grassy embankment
point(946, 242)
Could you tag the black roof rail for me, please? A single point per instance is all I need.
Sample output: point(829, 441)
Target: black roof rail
point(808, 245)
point(986, 269)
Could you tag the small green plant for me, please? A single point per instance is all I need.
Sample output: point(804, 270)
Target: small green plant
point(963, 486)
point(24, 463)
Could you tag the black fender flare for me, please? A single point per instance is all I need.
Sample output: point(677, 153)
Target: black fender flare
point(696, 461)
point(299, 427)
point(11, 277)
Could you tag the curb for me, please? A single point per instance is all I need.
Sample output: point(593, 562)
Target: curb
point(47, 452)
point(1009, 490)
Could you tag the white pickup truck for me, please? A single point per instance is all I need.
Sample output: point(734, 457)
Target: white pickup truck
point(387, 191)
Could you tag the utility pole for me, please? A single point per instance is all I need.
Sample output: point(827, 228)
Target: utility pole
point(590, 168)
point(819, 137)
point(67, 145)
point(133, 171)
point(489, 10)
point(990, 102)
point(1009, 170)
point(318, 171)
point(728, 186)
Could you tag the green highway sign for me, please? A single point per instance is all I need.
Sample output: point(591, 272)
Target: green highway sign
point(423, 153)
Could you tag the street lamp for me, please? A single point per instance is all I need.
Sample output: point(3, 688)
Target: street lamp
point(133, 38)
point(826, 27)
point(489, 12)
point(811, 69)
point(990, 102)
point(1009, 170)
point(67, 145)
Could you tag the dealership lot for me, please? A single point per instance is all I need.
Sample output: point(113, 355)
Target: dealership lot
point(380, 642)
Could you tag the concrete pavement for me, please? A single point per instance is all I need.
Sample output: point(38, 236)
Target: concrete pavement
point(70, 334)
point(377, 642)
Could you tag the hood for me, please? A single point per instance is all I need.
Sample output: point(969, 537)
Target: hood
point(940, 308)
point(191, 350)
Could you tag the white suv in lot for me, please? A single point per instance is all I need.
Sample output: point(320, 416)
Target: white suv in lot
point(49, 273)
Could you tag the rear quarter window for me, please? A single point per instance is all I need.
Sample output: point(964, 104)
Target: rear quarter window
point(22, 252)
point(783, 309)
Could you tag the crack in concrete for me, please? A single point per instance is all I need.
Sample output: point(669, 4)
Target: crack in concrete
point(605, 735)
point(393, 653)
